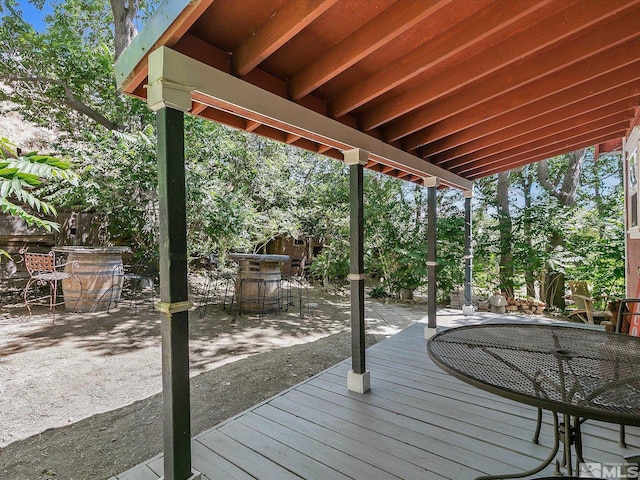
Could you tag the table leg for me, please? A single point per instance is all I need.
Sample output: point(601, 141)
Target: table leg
point(567, 444)
point(542, 466)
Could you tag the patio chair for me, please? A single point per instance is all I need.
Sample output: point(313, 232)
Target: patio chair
point(217, 276)
point(296, 278)
point(136, 283)
point(585, 311)
point(43, 270)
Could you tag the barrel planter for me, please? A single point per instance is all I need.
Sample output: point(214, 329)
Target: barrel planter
point(258, 282)
point(96, 282)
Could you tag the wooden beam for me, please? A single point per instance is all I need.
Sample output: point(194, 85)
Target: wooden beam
point(535, 149)
point(371, 164)
point(545, 93)
point(551, 72)
point(386, 170)
point(282, 26)
point(563, 24)
point(432, 56)
point(197, 108)
point(251, 125)
point(323, 148)
point(386, 26)
point(528, 159)
point(584, 98)
point(539, 137)
point(237, 96)
point(221, 116)
point(291, 138)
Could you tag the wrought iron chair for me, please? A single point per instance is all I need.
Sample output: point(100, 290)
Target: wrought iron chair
point(136, 284)
point(296, 278)
point(217, 275)
point(43, 270)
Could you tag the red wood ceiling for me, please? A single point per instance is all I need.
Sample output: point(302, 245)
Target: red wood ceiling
point(474, 86)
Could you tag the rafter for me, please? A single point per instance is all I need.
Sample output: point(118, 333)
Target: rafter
point(251, 125)
point(547, 93)
point(553, 71)
point(197, 108)
point(283, 25)
point(555, 29)
point(518, 134)
point(557, 107)
point(386, 26)
point(432, 56)
point(535, 148)
point(291, 138)
point(527, 159)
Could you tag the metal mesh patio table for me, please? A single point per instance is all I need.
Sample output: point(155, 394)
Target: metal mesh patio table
point(572, 371)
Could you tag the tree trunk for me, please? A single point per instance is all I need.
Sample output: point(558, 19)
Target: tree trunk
point(554, 290)
point(124, 14)
point(565, 192)
point(529, 275)
point(506, 236)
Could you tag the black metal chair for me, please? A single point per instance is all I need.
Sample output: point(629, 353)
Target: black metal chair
point(134, 283)
point(296, 278)
point(216, 276)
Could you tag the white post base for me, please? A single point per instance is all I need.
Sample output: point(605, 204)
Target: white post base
point(195, 475)
point(429, 332)
point(358, 382)
point(467, 310)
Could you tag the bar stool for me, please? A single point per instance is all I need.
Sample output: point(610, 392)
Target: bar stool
point(215, 276)
point(136, 283)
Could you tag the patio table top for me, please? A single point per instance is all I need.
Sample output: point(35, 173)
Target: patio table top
point(582, 372)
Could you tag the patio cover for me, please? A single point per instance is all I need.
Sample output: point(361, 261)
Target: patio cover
point(454, 89)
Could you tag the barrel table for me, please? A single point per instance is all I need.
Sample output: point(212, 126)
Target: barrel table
point(99, 272)
point(258, 282)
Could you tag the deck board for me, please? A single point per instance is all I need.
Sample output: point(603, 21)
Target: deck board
point(417, 422)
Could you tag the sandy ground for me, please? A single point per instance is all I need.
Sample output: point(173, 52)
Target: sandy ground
point(76, 385)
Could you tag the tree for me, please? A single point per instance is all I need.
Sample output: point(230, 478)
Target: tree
point(63, 77)
point(505, 223)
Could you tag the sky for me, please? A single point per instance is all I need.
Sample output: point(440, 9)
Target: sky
point(32, 15)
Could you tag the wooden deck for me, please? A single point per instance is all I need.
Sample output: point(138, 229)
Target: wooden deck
point(417, 422)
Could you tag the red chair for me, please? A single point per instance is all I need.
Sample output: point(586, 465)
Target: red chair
point(43, 270)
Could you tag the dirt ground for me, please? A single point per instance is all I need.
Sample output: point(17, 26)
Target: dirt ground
point(79, 398)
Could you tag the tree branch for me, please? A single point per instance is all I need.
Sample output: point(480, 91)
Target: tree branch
point(566, 193)
point(70, 99)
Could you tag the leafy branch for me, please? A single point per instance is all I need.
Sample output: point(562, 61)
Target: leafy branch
point(20, 174)
point(69, 98)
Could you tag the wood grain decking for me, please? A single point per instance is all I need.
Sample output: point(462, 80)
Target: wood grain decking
point(417, 422)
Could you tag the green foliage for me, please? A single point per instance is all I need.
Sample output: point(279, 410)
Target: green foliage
point(584, 241)
point(243, 190)
point(22, 180)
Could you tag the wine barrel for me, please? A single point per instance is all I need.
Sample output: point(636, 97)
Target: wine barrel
point(96, 281)
point(258, 286)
